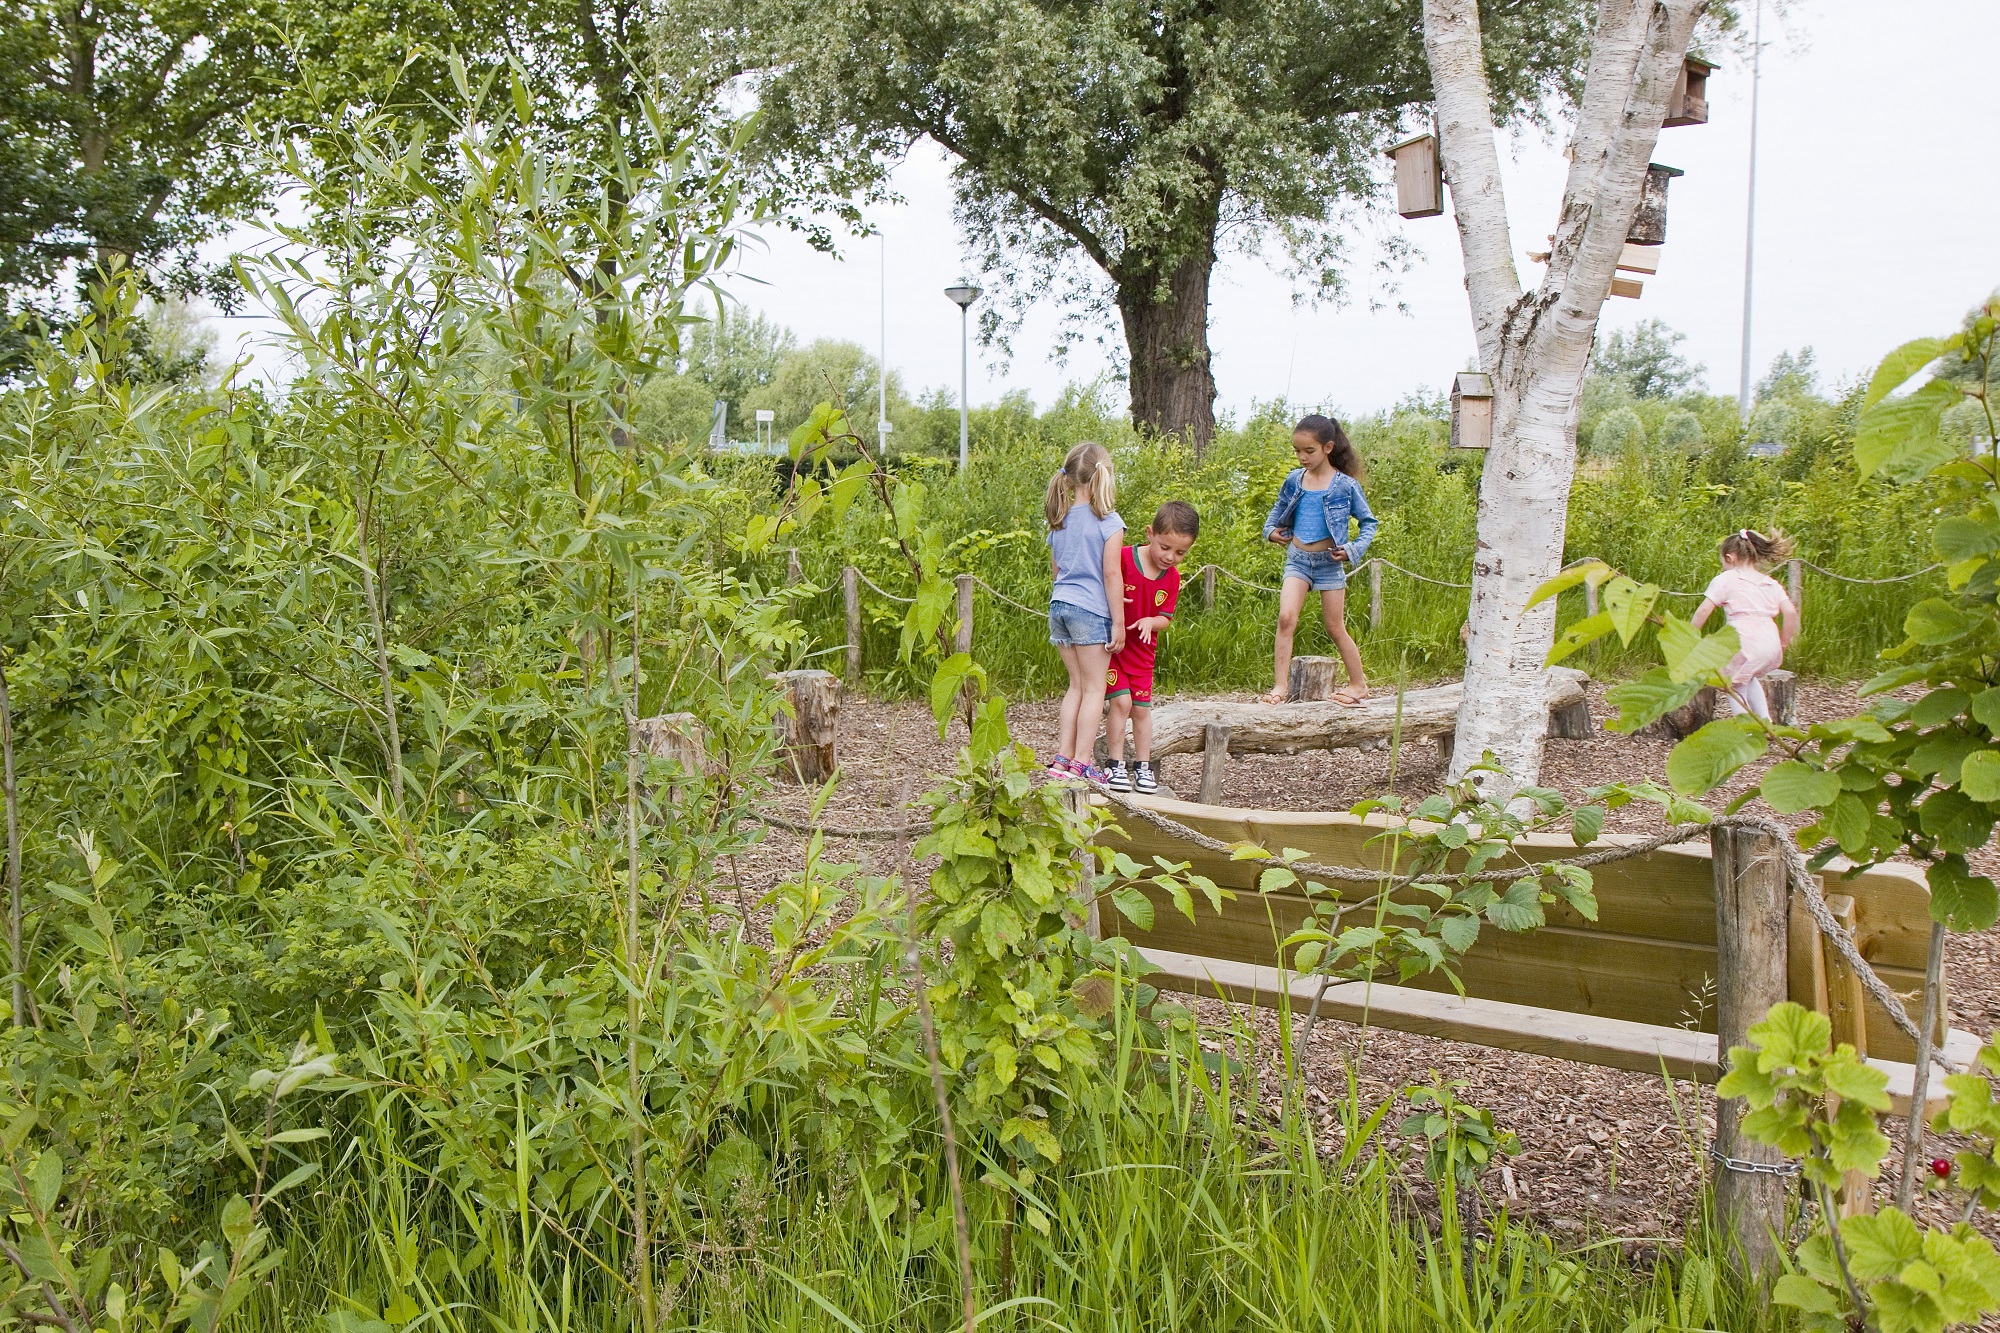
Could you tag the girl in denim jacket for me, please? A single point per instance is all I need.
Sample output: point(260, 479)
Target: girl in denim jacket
point(1310, 521)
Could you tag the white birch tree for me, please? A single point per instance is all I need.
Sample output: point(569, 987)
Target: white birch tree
point(1535, 344)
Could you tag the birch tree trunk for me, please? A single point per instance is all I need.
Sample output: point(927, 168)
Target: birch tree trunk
point(1536, 344)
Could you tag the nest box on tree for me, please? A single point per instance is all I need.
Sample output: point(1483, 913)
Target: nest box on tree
point(1419, 180)
point(1649, 224)
point(1471, 410)
point(1689, 104)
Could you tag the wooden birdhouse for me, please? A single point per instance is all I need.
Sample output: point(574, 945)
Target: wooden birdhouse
point(1419, 182)
point(1471, 410)
point(1689, 104)
point(1639, 258)
point(1649, 224)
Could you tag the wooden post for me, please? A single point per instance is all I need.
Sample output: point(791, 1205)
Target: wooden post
point(1751, 907)
point(1311, 678)
point(1781, 691)
point(1590, 599)
point(1571, 722)
point(850, 591)
point(1847, 1007)
point(1374, 594)
point(1214, 754)
point(807, 728)
point(1795, 582)
point(792, 572)
point(1447, 747)
point(1208, 587)
point(964, 643)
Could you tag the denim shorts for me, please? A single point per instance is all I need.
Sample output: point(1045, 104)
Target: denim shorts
point(1074, 625)
point(1319, 569)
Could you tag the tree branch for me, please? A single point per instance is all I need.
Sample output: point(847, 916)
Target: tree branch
point(1472, 166)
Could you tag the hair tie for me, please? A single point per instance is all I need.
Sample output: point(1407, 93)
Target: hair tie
point(1745, 534)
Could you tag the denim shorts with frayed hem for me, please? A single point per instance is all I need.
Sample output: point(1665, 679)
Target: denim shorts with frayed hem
point(1075, 625)
point(1319, 569)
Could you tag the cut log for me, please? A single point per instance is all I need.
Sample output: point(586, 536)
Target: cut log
point(677, 737)
point(1571, 722)
point(1214, 756)
point(1312, 679)
point(1256, 728)
point(1781, 691)
point(806, 726)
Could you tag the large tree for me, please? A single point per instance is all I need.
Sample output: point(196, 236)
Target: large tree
point(1106, 152)
point(1535, 343)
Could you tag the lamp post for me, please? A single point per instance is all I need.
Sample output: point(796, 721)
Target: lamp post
point(1750, 212)
point(962, 295)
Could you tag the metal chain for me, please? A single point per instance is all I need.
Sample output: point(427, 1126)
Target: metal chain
point(1750, 1168)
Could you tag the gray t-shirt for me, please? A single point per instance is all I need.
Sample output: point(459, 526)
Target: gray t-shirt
point(1078, 546)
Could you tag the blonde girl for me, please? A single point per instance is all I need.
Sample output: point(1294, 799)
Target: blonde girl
point(1754, 604)
point(1087, 605)
point(1310, 521)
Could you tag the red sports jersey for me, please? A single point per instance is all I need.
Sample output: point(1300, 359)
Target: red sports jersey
point(1144, 597)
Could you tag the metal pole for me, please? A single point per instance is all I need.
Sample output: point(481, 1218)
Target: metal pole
point(1750, 212)
point(964, 382)
point(883, 369)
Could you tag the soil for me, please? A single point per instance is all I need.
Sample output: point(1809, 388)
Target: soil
point(1603, 1151)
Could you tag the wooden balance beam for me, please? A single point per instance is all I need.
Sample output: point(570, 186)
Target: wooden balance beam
point(1217, 729)
point(1638, 989)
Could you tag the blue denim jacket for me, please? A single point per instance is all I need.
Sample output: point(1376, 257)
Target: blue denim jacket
point(1343, 500)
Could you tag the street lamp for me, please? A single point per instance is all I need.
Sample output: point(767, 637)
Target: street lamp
point(962, 295)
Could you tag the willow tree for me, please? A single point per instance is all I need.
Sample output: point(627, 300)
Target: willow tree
point(1536, 343)
point(1106, 153)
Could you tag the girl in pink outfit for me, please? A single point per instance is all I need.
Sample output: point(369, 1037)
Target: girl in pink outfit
point(1755, 604)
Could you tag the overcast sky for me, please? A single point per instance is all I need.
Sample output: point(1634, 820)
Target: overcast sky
point(1878, 220)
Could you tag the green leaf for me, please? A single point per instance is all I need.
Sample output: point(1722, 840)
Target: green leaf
point(1692, 657)
point(1897, 367)
point(1628, 604)
point(1934, 622)
point(1459, 931)
point(1899, 436)
point(1586, 823)
point(1962, 537)
point(1979, 775)
point(1802, 1293)
point(1579, 635)
point(1960, 899)
point(1706, 759)
point(952, 673)
point(1881, 1245)
point(1644, 701)
point(1566, 580)
point(1986, 709)
point(989, 729)
point(1134, 906)
point(1791, 786)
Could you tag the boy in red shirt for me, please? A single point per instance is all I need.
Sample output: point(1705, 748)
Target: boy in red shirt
point(1152, 587)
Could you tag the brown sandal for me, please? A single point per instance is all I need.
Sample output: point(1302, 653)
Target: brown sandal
point(1347, 698)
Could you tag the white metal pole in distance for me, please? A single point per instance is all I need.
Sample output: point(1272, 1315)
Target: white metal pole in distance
point(1750, 209)
point(962, 295)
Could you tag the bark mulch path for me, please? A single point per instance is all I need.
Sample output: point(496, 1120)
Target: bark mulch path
point(1602, 1150)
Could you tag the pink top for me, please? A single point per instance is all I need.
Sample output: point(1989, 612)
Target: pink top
point(1751, 601)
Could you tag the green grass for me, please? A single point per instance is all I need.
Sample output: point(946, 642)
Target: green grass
point(1185, 1207)
point(1658, 517)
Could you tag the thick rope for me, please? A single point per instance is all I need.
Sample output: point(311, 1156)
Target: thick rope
point(1019, 606)
point(906, 601)
point(1894, 578)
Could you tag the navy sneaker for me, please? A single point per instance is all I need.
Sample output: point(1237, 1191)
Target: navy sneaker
point(1118, 778)
point(1143, 780)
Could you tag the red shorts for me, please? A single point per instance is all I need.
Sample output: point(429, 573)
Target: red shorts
point(1136, 681)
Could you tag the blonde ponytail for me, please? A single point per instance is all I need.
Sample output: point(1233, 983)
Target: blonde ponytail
point(1086, 471)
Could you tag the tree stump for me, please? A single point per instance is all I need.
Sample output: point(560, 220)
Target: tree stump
point(1686, 720)
point(1214, 756)
point(1571, 722)
point(806, 727)
point(1781, 691)
point(1751, 912)
point(1311, 679)
point(681, 740)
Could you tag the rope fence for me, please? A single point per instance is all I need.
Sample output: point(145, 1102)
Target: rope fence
point(852, 580)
